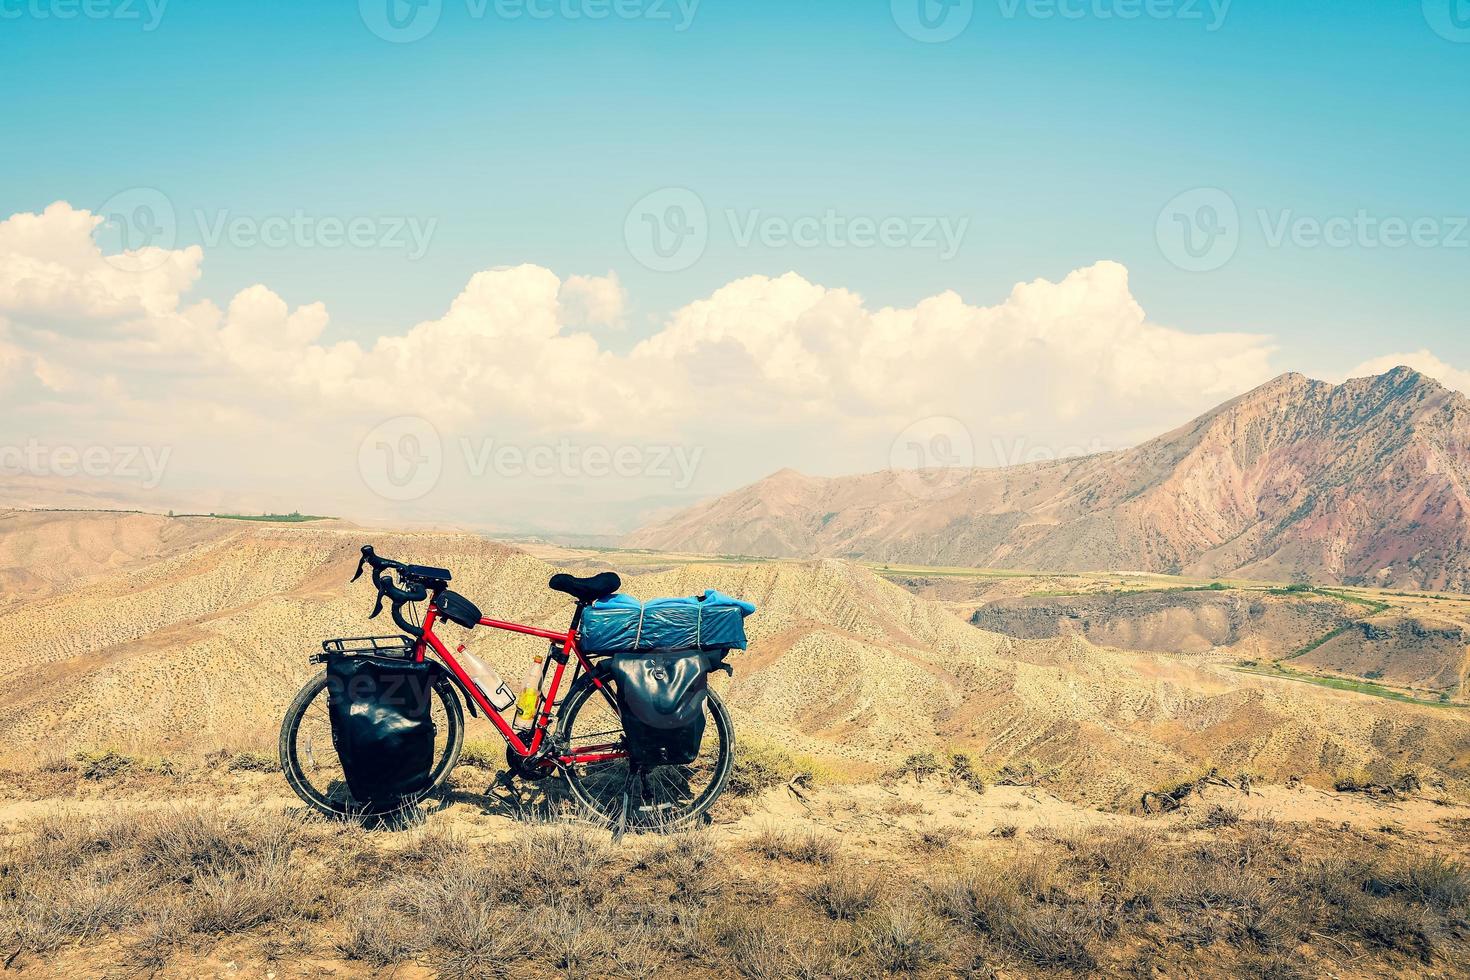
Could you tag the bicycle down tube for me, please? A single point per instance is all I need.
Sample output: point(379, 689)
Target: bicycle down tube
point(591, 754)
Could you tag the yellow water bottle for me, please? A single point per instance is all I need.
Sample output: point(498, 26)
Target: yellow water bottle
point(530, 696)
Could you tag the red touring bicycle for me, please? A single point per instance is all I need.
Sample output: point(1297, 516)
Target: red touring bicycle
point(579, 739)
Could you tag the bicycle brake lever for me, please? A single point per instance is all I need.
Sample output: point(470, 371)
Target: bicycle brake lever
point(367, 551)
point(377, 607)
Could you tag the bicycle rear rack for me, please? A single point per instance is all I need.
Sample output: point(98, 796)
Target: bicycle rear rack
point(393, 647)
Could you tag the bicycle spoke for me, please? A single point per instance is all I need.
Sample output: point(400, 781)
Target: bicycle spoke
point(662, 795)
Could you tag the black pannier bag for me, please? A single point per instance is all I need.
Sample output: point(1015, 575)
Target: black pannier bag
point(661, 697)
point(381, 726)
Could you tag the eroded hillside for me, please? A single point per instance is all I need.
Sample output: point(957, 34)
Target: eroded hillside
point(203, 647)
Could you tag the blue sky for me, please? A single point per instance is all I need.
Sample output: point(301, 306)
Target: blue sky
point(1278, 186)
point(527, 139)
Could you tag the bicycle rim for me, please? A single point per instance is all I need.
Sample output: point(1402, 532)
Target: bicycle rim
point(312, 767)
point(661, 798)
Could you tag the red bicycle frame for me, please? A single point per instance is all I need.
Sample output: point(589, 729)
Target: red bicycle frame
point(568, 640)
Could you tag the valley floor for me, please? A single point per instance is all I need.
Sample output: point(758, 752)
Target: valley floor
point(216, 871)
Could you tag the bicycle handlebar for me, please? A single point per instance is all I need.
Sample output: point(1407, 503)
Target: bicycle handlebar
point(396, 594)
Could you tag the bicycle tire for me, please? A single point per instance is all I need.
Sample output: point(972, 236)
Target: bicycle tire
point(334, 799)
point(604, 807)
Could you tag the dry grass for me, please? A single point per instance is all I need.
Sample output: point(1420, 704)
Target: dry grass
point(844, 892)
point(805, 846)
point(1241, 898)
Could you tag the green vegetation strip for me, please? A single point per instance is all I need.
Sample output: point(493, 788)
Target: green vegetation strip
point(1340, 684)
point(267, 518)
point(1319, 641)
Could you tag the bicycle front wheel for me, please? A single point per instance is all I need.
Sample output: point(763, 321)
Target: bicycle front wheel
point(312, 768)
point(659, 798)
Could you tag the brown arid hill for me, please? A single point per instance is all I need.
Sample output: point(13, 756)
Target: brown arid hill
point(1358, 483)
point(200, 648)
point(1257, 625)
point(1420, 651)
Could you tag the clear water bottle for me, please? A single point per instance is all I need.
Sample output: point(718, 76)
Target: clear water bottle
point(494, 690)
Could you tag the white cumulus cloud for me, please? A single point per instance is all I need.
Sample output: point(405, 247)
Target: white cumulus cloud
point(762, 373)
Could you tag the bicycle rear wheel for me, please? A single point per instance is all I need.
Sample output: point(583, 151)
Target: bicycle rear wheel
point(661, 798)
point(309, 759)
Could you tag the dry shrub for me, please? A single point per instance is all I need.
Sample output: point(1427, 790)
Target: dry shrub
point(686, 862)
point(253, 762)
point(962, 770)
point(844, 893)
point(903, 808)
point(807, 846)
point(1338, 895)
point(1020, 908)
point(188, 844)
point(635, 956)
point(577, 939)
point(1434, 881)
point(238, 901)
point(559, 862)
point(169, 872)
point(1216, 901)
point(937, 839)
point(451, 916)
point(1128, 864)
point(1220, 816)
point(380, 931)
point(763, 945)
point(46, 908)
point(920, 765)
point(758, 767)
point(478, 942)
point(901, 939)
